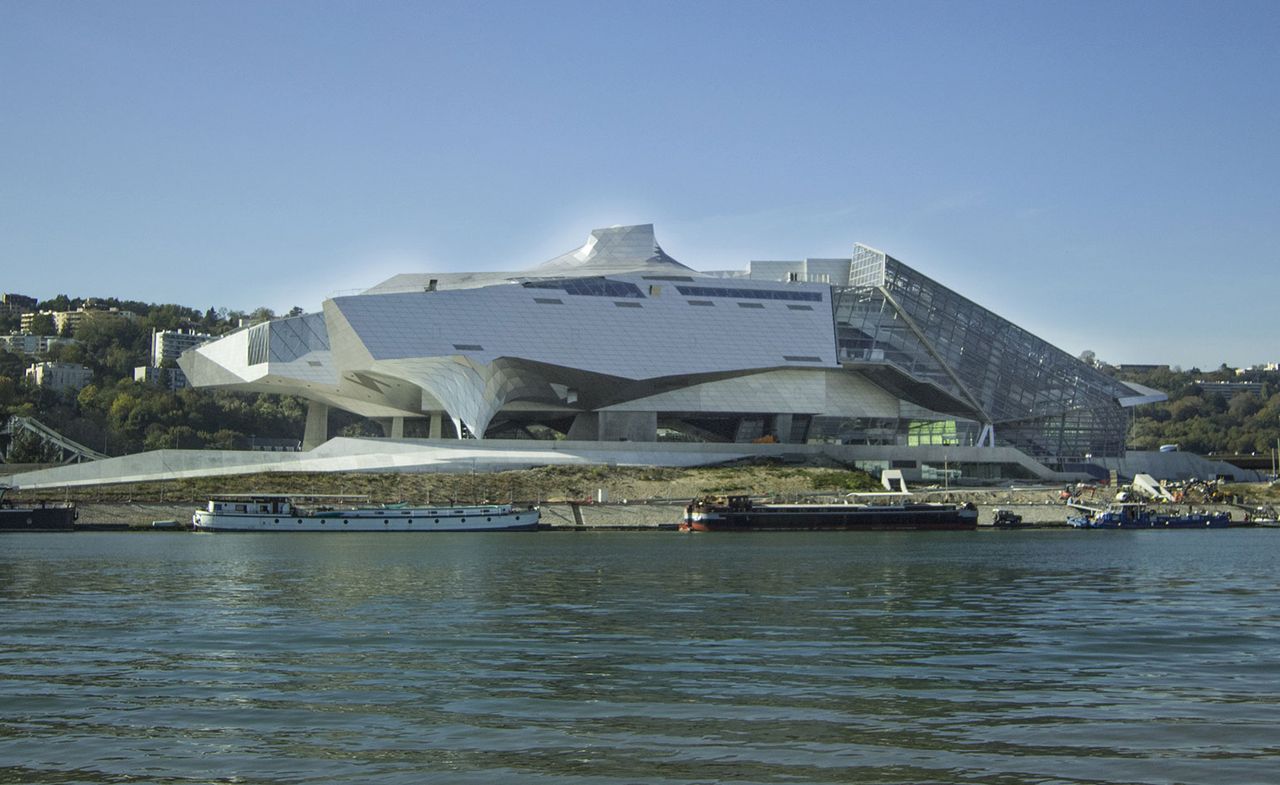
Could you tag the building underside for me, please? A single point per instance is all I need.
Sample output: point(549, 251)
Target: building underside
point(618, 341)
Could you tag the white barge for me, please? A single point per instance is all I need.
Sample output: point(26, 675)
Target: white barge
point(285, 513)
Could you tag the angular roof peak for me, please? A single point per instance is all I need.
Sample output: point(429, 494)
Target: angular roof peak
point(616, 249)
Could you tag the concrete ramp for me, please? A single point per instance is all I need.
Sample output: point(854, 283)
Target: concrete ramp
point(1176, 466)
point(1147, 486)
point(346, 454)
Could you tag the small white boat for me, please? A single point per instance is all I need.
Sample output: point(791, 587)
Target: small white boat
point(287, 513)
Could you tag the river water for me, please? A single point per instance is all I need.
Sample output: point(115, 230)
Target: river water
point(618, 657)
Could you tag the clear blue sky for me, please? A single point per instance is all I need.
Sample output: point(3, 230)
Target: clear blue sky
point(1106, 174)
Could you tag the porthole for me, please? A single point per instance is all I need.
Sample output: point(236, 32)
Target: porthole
point(299, 521)
point(277, 520)
point(488, 520)
point(464, 520)
point(345, 522)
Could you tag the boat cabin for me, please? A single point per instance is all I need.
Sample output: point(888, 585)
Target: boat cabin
point(252, 505)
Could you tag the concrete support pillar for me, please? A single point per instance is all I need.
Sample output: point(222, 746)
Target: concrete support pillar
point(782, 428)
point(987, 438)
point(437, 426)
point(585, 427)
point(317, 432)
point(397, 428)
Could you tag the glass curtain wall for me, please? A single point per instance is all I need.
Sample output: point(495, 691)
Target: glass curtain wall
point(1037, 397)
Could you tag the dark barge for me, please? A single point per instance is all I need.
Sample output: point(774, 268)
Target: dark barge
point(38, 517)
point(740, 513)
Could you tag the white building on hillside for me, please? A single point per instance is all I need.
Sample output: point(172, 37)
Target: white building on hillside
point(172, 378)
point(59, 376)
point(32, 344)
point(167, 345)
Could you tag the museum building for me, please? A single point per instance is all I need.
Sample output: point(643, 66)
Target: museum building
point(616, 340)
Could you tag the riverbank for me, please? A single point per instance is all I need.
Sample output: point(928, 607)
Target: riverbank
point(544, 484)
point(572, 498)
point(642, 516)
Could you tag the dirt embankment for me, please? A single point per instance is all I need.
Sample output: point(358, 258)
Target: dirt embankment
point(529, 485)
point(640, 496)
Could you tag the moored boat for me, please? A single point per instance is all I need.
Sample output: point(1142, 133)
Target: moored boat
point(1263, 516)
point(282, 512)
point(38, 517)
point(740, 513)
point(1136, 515)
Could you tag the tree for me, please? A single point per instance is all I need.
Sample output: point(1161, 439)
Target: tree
point(1187, 408)
point(112, 345)
point(26, 447)
point(87, 398)
point(42, 324)
point(1242, 407)
point(225, 439)
point(361, 427)
point(12, 365)
point(170, 317)
point(1216, 402)
point(120, 361)
point(59, 303)
point(177, 437)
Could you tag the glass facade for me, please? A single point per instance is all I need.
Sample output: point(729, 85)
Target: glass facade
point(1034, 396)
point(589, 287)
point(750, 294)
point(285, 340)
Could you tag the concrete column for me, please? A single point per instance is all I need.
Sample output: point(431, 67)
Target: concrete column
point(317, 432)
point(987, 438)
point(782, 428)
point(397, 427)
point(437, 426)
point(585, 427)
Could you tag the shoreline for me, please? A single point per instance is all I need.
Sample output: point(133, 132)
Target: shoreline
point(556, 516)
